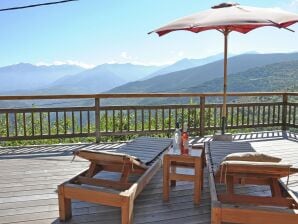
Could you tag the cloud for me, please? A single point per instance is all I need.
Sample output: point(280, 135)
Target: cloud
point(125, 55)
point(67, 62)
point(294, 3)
point(291, 6)
point(180, 53)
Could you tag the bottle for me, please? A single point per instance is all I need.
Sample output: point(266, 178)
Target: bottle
point(184, 140)
point(177, 138)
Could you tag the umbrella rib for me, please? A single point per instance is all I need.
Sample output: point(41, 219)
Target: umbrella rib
point(278, 25)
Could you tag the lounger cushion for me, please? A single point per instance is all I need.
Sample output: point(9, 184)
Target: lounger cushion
point(256, 168)
point(251, 156)
point(257, 164)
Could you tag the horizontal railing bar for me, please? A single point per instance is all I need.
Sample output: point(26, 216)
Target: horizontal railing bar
point(57, 109)
point(242, 104)
point(149, 107)
point(37, 137)
point(292, 93)
point(185, 106)
point(69, 109)
point(143, 95)
point(292, 104)
point(245, 126)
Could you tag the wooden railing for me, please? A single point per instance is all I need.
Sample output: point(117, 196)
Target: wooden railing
point(100, 120)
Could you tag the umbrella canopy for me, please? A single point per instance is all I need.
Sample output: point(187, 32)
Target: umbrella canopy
point(228, 17)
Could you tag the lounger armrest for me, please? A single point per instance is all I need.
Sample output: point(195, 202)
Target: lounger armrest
point(108, 157)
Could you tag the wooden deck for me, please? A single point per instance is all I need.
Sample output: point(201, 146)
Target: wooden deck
point(30, 175)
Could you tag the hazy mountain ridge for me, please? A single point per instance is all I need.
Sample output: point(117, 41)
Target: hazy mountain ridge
point(101, 78)
point(30, 79)
point(25, 76)
point(91, 81)
point(274, 77)
point(186, 63)
point(183, 80)
point(114, 78)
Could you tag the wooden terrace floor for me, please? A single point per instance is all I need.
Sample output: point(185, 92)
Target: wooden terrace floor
point(30, 175)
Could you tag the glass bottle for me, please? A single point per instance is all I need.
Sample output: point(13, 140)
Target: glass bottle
point(177, 139)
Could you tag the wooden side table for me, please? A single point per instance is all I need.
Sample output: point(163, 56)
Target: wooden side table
point(194, 160)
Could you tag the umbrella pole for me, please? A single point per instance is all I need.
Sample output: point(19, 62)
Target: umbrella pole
point(224, 108)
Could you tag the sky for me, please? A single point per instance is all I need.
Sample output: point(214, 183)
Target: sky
point(93, 32)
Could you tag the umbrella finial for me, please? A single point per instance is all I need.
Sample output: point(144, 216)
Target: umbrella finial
point(224, 5)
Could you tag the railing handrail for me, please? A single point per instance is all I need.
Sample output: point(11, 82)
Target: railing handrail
point(141, 95)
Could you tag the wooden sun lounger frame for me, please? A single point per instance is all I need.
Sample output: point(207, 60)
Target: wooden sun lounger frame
point(72, 189)
point(222, 211)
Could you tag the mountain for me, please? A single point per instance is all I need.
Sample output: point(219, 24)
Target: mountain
point(185, 79)
point(185, 63)
point(274, 77)
point(99, 79)
point(94, 80)
point(26, 76)
point(130, 72)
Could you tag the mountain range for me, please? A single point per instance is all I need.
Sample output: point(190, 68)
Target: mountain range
point(26, 76)
point(101, 78)
point(186, 63)
point(185, 80)
point(27, 79)
point(281, 76)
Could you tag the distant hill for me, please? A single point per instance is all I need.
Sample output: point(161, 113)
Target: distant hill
point(183, 80)
point(94, 80)
point(101, 78)
point(26, 76)
point(185, 63)
point(281, 76)
point(130, 72)
point(274, 77)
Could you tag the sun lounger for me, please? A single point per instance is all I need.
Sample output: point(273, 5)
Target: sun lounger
point(237, 191)
point(139, 159)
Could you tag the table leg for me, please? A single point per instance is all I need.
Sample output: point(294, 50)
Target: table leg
point(173, 170)
point(197, 181)
point(202, 173)
point(166, 179)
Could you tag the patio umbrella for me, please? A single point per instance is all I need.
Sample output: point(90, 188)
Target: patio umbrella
point(228, 17)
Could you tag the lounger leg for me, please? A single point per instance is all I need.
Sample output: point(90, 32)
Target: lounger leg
point(275, 188)
point(127, 211)
point(64, 205)
point(173, 170)
point(198, 181)
point(230, 184)
point(166, 179)
point(216, 215)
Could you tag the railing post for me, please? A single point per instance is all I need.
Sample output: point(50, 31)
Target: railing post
point(97, 120)
point(284, 111)
point(202, 115)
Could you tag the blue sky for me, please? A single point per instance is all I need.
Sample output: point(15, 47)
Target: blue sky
point(92, 32)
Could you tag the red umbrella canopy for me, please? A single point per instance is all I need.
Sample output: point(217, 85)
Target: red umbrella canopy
point(232, 17)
